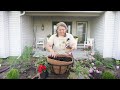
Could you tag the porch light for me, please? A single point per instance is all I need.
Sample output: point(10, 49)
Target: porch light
point(42, 27)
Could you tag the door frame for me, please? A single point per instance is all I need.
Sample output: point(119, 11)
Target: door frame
point(85, 29)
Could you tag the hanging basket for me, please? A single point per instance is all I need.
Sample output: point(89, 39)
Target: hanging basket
point(60, 66)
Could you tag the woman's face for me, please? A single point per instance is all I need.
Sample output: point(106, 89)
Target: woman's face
point(61, 31)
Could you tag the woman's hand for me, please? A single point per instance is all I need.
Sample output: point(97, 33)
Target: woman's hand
point(53, 54)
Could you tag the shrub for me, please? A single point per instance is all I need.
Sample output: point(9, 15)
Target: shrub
point(98, 57)
point(117, 62)
point(13, 74)
point(98, 63)
point(108, 75)
point(26, 53)
point(108, 63)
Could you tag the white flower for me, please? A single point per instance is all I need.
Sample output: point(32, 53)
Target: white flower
point(117, 67)
point(92, 63)
point(94, 67)
point(0, 65)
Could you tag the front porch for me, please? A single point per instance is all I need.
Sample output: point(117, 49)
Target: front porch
point(80, 24)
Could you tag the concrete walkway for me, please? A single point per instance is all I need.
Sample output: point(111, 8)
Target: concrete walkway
point(78, 54)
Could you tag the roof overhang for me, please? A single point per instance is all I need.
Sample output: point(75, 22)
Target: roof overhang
point(63, 13)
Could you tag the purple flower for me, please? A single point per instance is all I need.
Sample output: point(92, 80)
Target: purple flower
point(91, 70)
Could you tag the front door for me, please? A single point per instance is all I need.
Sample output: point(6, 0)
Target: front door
point(81, 32)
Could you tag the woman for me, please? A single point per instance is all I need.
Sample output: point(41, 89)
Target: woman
point(61, 42)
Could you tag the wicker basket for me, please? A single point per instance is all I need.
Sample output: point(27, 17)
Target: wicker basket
point(60, 67)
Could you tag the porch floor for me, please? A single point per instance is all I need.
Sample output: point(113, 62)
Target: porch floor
point(78, 54)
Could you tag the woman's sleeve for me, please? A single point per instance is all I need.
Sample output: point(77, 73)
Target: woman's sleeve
point(73, 42)
point(50, 40)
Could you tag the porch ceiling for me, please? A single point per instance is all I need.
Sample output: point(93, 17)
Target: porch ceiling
point(63, 13)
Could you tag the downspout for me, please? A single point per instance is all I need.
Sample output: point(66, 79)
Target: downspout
point(22, 13)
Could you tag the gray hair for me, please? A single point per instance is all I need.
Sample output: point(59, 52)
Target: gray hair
point(62, 24)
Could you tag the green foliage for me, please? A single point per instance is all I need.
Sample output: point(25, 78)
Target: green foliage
point(98, 57)
point(98, 63)
point(41, 60)
point(117, 62)
point(11, 59)
point(108, 63)
point(13, 74)
point(1, 60)
point(80, 70)
point(26, 53)
point(108, 75)
point(72, 75)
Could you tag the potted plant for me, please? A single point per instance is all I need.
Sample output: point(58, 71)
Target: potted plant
point(76, 38)
point(42, 72)
point(42, 68)
point(48, 36)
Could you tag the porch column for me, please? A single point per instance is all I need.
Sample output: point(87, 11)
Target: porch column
point(14, 33)
point(116, 48)
point(4, 35)
point(108, 34)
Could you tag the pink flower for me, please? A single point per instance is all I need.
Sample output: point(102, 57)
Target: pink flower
point(91, 70)
point(97, 71)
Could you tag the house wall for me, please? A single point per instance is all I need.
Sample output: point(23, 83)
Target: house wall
point(97, 32)
point(109, 34)
point(14, 33)
point(116, 41)
point(26, 31)
point(4, 36)
point(47, 21)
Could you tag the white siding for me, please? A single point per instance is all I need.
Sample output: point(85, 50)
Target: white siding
point(14, 33)
point(116, 41)
point(108, 34)
point(97, 32)
point(27, 31)
point(4, 36)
